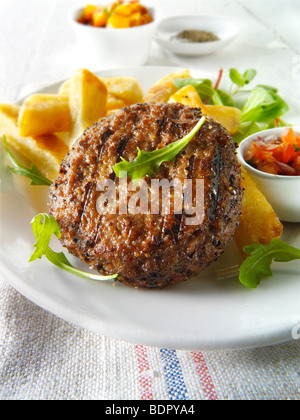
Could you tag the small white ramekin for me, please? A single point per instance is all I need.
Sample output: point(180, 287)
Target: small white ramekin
point(282, 192)
point(107, 48)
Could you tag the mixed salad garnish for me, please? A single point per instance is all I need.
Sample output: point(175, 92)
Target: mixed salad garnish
point(261, 106)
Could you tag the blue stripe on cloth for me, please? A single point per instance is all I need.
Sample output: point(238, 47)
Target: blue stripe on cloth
point(173, 375)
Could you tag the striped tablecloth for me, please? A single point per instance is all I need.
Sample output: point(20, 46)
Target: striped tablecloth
point(45, 358)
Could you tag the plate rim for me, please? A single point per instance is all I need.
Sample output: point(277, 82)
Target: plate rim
point(78, 319)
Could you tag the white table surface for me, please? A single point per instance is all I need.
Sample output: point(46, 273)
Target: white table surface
point(55, 360)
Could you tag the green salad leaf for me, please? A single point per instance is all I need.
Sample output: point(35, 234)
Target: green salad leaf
point(241, 80)
point(226, 98)
point(245, 130)
point(147, 163)
point(32, 173)
point(44, 226)
point(258, 264)
point(263, 105)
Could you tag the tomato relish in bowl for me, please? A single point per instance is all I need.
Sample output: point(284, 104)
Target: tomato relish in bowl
point(272, 159)
point(276, 154)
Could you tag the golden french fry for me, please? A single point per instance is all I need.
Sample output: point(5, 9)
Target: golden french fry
point(126, 89)
point(121, 91)
point(45, 152)
point(114, 103)
point(64, 89)
point(229, 117)
point(188, 96)
point(259, 223)
point(8, 119)
point(87, 101)
point(165, 88)
point(44, 114)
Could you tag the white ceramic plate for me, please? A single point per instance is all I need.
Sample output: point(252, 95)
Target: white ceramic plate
point(168, 28)
point(203, 313)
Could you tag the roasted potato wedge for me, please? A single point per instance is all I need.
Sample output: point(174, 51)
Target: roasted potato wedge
point(87, 102)
point(44, 114)
point(45, 152)
point(229, 117)
point(126, 89)
point(188, 96)
point(64, 89)
point(165, 88)
point(121, 91)
point(9, 119)
point(259, 223)
point(114, 103)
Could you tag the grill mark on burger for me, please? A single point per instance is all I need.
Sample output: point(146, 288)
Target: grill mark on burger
point(87, 190)
point(123, 143)
point(90, 185)
point(120, 152)
point(122, 146)
point(161, 124)
point(171, 116)
point(216, 166)
point(105, 136)
point(191, 166)
point(190, 171)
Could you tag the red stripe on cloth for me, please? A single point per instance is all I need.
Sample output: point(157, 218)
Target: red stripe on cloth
point(145, 379)
point(204, 375)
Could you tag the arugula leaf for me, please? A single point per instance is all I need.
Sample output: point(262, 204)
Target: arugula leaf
point(263, 105)
point(259, 262)
point(43, 233)
point(32, 173)
point(147, 163)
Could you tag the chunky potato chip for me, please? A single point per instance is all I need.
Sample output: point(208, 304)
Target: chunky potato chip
point(64, 89)
point(188, 96)
point(87, 101)
point(165, 88)
point(114, 103)
point(229, 117)
point(259, 223)
point(44, 114)
point(126, 89)
point(9, 119)
point(45, 152)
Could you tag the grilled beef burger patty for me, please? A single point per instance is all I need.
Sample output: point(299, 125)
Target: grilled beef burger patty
point(148, 250)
